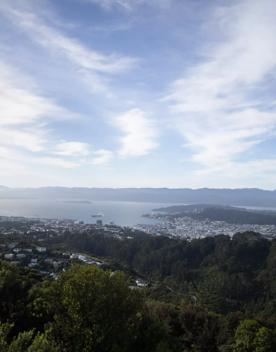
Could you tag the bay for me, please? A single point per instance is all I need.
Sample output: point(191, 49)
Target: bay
point(118, 212)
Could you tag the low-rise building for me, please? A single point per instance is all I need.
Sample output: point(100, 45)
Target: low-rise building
point(9, 256)
point(41, 249)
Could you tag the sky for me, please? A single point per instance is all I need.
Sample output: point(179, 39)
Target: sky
point(138, 93)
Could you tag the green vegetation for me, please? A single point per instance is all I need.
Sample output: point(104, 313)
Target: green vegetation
point(210, 295)
point(225, 275)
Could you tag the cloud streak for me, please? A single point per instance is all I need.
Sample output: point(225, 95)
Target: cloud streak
point(125, 4)
point(70, 48)
point(23, 111)
point(24, 135)
point(215, 104)
point(26, 112)
point(72, 149)
point(19, 104)
point(218, 111)
point(129, 5)
point(102, 157)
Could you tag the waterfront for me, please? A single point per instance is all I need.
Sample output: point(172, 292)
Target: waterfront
point(123, 214)
point(188, 228)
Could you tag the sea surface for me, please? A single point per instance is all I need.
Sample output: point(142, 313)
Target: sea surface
point(120, 213)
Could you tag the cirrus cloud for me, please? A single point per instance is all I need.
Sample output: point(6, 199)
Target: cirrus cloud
point(218, 105)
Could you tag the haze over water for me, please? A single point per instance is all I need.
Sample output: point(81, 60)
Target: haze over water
point(121, 213)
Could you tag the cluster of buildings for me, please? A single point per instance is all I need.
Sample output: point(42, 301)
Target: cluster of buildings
point(189, 228)
point(28, 254)
point(33, 243)
point(46, 261)
point(37, 244)
point(27, 242)
point(50, 228)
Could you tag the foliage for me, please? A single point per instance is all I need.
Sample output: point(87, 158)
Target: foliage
point(95, 311)
point(210, 295)
point(250, 336)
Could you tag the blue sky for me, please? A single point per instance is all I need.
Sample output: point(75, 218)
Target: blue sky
point(138, 93)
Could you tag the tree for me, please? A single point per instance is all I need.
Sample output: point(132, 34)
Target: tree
point(252, 337)
point(15, 284)
point(245, 336)
point(43, 343)
point(95, 311)
point(25, 341)
point(264, 340)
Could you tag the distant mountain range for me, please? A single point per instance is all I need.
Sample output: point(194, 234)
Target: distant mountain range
point(239, 197)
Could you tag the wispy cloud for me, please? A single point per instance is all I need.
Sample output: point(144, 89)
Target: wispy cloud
point(102, 156)
point(70, 48)
point(139, 133)
point(19, 102)
point(24, 136)
point(30, 139)
point(108, 4)
point(24, 112)
point(218, 104)
point(73, 149)
point(130, 5)
point(55, 162)
point(249, 173)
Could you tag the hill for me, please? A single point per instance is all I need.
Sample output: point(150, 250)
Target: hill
point(232, 215)
point(238, 197)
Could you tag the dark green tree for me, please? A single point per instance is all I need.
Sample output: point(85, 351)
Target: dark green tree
point(95, 311)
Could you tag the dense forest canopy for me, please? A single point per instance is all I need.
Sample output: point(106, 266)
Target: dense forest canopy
point(212, 294)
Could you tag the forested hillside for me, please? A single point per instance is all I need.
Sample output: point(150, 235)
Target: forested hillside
point(225, 274)
point(213, 294)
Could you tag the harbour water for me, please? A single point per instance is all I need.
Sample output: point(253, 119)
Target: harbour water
point(120, 213)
